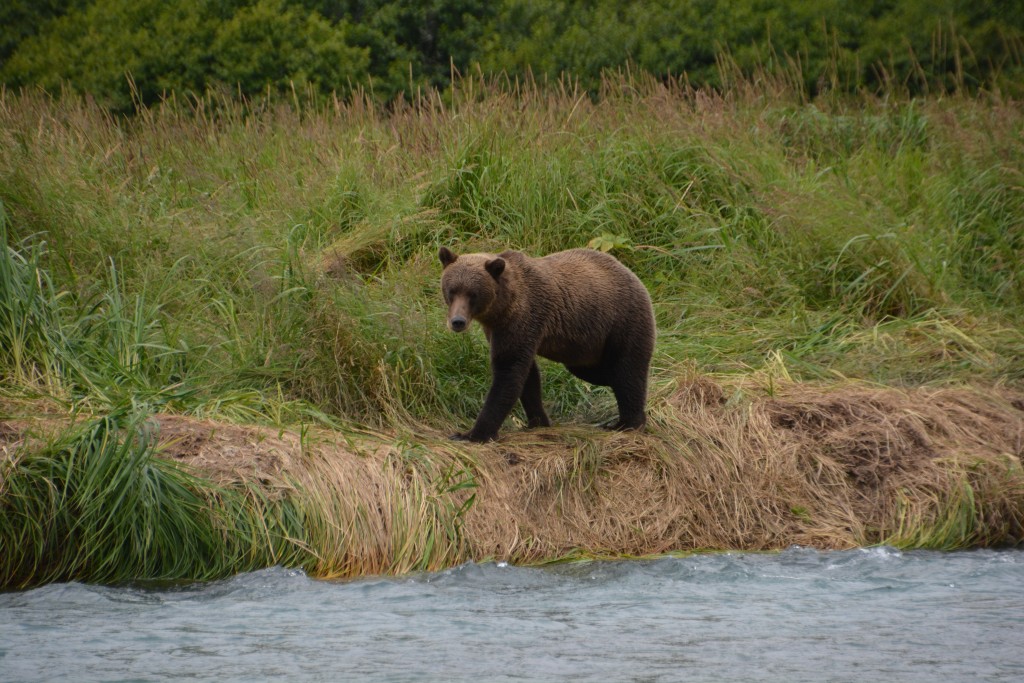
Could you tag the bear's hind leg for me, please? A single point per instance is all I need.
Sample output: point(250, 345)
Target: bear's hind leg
point(629, 384)
point(533, 404)
point(631, 398)
point(630, 393)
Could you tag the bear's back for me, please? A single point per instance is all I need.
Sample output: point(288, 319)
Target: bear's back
point(585, 298)
point(582, 271)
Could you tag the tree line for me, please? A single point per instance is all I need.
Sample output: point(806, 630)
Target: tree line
point(126, 52)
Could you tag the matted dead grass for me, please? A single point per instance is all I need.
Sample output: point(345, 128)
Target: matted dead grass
point(829, 467)
point(721, 467)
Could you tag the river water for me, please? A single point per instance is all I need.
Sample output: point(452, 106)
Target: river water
point(800, 615)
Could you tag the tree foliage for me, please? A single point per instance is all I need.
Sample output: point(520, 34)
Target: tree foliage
point(101, 47)
point(110, 47)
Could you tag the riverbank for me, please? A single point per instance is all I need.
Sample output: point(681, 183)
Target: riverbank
point(723, 467)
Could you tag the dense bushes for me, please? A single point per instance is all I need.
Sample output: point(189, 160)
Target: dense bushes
point(388, 47)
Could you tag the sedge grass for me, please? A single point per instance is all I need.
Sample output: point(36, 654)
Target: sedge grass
point(95, 504)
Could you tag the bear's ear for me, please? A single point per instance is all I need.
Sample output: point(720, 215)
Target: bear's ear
point(496, 266)
point(447, 256)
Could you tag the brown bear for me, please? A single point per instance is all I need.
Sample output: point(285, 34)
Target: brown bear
point(580, 307)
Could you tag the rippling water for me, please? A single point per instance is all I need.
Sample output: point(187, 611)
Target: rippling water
point(800, 615)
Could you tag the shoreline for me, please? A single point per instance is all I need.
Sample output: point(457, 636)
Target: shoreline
point(720, 468)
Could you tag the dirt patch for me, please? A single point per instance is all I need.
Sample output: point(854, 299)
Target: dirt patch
point(876, 433)
point(18, 434)
point(227, 453)
point(697, 392)
point(11, 435)
point(870, 434)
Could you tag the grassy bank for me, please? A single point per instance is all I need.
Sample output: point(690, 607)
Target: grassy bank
point(275, 265)
point(127, 497)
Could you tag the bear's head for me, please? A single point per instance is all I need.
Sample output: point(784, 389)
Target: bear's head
point(469, 284)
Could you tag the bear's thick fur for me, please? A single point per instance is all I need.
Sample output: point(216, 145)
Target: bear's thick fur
point(579, 307)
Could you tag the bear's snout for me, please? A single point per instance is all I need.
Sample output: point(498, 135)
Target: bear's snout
point(460, 312)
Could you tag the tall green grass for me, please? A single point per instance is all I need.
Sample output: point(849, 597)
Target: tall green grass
point(96, 504)
point(236, 255)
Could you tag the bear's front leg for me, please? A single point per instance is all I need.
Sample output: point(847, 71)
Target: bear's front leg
point(508, 377)
point(533, 405)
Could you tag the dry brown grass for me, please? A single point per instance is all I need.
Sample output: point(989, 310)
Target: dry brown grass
point(721, 468)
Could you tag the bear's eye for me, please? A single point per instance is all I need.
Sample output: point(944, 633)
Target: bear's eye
point(447, 296)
